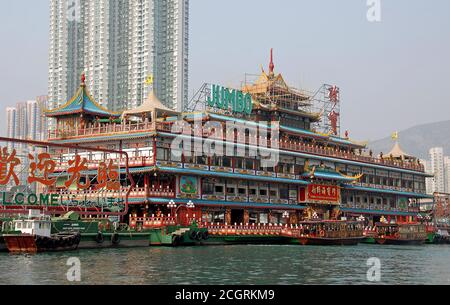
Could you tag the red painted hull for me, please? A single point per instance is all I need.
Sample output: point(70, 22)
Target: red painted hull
point(395, 241)
point(21, 243)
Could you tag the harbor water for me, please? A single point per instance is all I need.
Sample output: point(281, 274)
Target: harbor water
point(234, 265)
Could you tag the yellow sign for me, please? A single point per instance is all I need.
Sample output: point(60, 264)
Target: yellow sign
point(395, 136)
point(149, 80)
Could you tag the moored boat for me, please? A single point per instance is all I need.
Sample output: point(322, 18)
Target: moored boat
point(33, 234)
point(99, 233)
point(401, 234)
point(330, 232)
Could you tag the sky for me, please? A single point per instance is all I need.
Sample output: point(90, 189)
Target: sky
point(393, 74)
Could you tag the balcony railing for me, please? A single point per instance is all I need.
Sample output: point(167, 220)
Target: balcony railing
point(283, 144)
point(141, 192)
point(152, 222)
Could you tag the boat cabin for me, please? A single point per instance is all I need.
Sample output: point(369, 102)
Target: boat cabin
point(35, 225)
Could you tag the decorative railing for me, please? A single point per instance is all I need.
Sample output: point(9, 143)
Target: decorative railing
point(276, 230)
point(133, 161)
point(283, 144)
point(141, 192)
point(152, 222)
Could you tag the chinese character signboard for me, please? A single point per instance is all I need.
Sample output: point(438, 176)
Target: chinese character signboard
point(327, 194)
point(33, 175)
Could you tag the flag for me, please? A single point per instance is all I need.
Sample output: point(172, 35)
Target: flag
point(395, 136)
point(149, 80)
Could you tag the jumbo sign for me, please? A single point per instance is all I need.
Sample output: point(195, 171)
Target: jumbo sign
point(230, 100)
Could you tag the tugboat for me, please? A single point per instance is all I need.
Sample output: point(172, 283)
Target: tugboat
point(331, 232)
point(401, 234)
point(33, 234)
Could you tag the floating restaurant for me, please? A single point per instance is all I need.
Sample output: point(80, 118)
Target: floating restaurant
point(318, 173)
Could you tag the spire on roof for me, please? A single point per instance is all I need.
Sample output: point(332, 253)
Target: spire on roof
point(271, 65)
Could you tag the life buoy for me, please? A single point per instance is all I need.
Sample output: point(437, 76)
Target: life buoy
point(100, 226)
point(322, 233)
point(175, 240)
point(193, 235)
point(205, 235)
point(198, 236)
point(99, 238)
point(115, 239)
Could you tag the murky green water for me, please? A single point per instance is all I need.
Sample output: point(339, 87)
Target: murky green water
point(234, 265)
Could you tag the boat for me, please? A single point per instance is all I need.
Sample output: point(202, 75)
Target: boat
point(330, 232)
point(319, 168)
point(100, 232)
point(33, 234)
point(441, 236)
point(401, 233)
point(369, 235)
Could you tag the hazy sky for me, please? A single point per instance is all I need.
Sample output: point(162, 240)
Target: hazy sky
point(392, 74)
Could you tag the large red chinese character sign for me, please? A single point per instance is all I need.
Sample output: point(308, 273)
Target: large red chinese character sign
point(327, 194)
point(61, 178)
point(8, 162)
point(46, 166)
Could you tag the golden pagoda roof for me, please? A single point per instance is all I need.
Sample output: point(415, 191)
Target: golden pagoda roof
point(271, 88)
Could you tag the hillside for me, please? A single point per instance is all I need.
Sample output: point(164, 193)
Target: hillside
point(418, 140)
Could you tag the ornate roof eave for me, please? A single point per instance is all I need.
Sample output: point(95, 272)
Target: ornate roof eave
point(81, 96)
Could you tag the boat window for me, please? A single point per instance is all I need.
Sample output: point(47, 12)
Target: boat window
point(231, 190)
point(284, 192)
point(226, 162)
point(242, 191)
point(263, 192)
point(219, 189)
point(249, 164)
point(19, 225)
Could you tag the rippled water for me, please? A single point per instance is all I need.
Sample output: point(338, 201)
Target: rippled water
point(234, 265)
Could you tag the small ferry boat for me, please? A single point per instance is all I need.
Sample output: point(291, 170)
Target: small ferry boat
point(441, 236)
point(33, 234)
point(330, 232)
point(401, 234)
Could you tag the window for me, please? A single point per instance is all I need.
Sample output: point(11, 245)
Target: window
point(218, 189)
point(284, 192)
point(249, 164)
point(175, 157)
point(161, 154)
point(226, 162)
point(207, 187)
point(231, 191)
point(242, 191)
point(263, 192)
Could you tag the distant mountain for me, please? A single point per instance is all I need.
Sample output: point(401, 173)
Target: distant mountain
point(418, 140)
